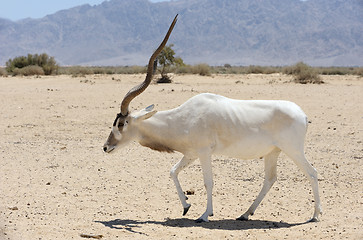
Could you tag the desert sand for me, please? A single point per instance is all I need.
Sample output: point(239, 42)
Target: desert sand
point(57, 183)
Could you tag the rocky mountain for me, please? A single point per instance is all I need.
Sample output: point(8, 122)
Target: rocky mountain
point(237, 32)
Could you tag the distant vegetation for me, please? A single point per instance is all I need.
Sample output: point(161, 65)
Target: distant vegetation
point(32, 65)
point(82, 70)
point(166, 60)
point(44, 65)
point(3, 72)
point(303, 73)
point(205, 70)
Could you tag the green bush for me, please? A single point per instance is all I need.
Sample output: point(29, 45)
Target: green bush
point(48, 64)
point(303, 73)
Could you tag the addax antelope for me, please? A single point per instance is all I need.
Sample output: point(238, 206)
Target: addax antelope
point(210, 124)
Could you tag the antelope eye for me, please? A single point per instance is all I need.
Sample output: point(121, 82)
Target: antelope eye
point(121, 124)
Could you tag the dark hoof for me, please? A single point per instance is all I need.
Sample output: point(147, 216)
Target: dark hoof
point(186, 210)
point(314, 220)
point(242, 218)
point(199, 220)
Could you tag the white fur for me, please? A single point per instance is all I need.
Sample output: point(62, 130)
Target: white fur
point(116, 131)
point(211, 124)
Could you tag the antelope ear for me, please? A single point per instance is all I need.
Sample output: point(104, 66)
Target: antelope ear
point(145, 113)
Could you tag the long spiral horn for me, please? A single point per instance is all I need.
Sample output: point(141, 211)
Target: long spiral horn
point(135, 91)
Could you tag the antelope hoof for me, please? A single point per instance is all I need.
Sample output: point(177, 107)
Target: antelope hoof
point(314, 219)
point(186, 209)
point(204, 217)
point(242, 218)
point(200, 220)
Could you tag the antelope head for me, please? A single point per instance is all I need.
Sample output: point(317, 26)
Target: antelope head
point(125, 125)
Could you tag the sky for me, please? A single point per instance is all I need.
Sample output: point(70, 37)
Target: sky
point(20, 9)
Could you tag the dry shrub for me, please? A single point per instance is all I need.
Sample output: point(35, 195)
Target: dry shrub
point(3, 72)
point(201, 69)
point(255, 69)
point(29, 71)
point(303, 73)
point(359, 71)
point(79, 70)
point(131, 70)
point(186, 69)
point(334, 70)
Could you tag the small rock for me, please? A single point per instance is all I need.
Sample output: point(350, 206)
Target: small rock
point(190, 192)
point(91, 236)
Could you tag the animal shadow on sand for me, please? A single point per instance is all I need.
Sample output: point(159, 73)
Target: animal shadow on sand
point(227, 224)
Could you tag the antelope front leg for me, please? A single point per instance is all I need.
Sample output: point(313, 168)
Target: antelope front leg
point(208, 183)
point(184, 162)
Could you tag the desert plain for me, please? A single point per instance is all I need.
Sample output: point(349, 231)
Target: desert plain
point(57, 183)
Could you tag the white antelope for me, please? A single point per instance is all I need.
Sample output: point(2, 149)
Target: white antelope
point(210, 124)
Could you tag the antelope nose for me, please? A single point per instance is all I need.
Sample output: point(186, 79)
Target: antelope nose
point(105, 149)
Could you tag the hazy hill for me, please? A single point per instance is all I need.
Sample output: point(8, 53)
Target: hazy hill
point(241, 32)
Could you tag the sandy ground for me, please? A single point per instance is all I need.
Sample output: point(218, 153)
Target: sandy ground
point(56, 183)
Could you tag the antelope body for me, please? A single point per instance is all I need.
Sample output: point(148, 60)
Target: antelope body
point(210, 124)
